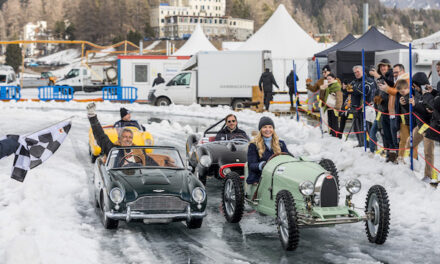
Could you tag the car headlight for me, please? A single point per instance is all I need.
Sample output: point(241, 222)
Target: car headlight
point(306, 188)
point(116, 195)
point(353, 186)
point(199, 194)
point(226, 171)
point(148, 142)
point(205, 161)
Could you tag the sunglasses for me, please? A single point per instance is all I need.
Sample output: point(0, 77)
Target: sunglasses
point(231, 121)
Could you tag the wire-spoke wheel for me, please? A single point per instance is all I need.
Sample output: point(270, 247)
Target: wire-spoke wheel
point(287, 220)
point(233, 198)
point(377, 209)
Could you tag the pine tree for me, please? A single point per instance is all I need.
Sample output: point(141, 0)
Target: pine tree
point(13, 56)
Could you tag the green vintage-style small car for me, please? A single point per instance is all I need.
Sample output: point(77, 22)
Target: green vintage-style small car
point(149, 184)
point(302, 193)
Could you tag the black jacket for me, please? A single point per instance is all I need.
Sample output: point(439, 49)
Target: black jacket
point(435, 120)
point(253, 159)
point(157, 81)
point(266, 82)
point(8, 146)
point(423, 101)
point(290, 81)
point(101, 138)
point(133, 123)
point(357, 95)
point(226, 134)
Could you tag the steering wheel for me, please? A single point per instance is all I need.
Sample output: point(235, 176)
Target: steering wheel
point(125, 158)
point(276, 155)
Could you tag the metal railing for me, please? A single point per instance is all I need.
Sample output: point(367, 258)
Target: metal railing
point(119, 93)
point(47, 93)
point(10, 93)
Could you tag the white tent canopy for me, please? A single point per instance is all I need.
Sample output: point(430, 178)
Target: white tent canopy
point(197, 42)
point(429, 42)
point(287, 41)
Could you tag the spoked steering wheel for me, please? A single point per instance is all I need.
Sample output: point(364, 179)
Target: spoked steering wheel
point(130, 163)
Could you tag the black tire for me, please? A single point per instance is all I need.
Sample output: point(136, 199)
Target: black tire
point(238, 104)
point(163, 101)
point(200, 176)
point(233, 198)
point(287, 220)
point(107, 222)
point(378, 205)
point(329, 165)
point(194, 223)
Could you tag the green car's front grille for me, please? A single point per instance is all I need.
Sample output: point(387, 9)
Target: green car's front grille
point(158, 203)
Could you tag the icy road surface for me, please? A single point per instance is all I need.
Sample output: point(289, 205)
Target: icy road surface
point(50, 217)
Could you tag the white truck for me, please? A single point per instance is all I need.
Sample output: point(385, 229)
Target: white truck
point(89, 79)
point(7, 76)
point(214, 78)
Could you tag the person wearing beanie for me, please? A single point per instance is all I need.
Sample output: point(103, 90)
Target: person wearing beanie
point(423, 97)
point(267, 80)
point(126, 120)
point(265, 144)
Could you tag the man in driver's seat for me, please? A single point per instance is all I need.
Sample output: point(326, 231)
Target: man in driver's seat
point(230, 130)
point(125, 139)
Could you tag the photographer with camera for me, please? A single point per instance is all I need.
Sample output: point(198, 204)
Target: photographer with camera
point(384, 75)
point(423, 96)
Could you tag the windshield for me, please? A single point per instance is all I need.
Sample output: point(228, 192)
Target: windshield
point(140, 157)
point(73, 73)
point(46, 74)
point(2, 78)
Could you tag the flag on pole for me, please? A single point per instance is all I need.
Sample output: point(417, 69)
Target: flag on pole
point(37, 147)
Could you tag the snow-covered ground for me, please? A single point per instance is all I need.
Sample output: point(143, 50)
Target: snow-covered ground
point(49, 218)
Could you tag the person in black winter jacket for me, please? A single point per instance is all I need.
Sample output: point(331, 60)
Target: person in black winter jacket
point(231, 130)
point(290, 81)
point(357, 101)
point(422, 98)
point(261, 148)
point(126, 120)
point(8, 145)
point(266, 85)
point(158, 80)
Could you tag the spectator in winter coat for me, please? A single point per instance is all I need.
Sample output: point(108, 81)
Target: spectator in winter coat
point(423, 95)
point(290, 81)
point(125, 139)
point(126, 120)
point(262, 147)
point(393, 103)
point(357, 101)
point(158, 80)
point(266, 84)
point(8, 145)
point(332, 88)
point(313, 89)
point(384, 75)
point(346, 99)
point(231, 130)
point(434, 105)
point(403, 87)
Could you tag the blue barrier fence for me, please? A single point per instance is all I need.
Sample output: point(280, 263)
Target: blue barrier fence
point(47, 93)
point(10, 93)
point(119, 93)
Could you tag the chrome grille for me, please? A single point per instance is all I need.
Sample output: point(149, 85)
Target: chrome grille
point(326, 188)
point(158, 203)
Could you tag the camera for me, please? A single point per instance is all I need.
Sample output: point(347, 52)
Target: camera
point(380, 81)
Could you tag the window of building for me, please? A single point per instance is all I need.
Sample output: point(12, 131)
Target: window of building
point(141, 73)
point(195, 20)
point(210, 21)
point(235, 23)
point(162, 20)
point(215, 21)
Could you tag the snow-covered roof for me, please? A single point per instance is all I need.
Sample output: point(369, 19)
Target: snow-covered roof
point(197, 42)
point(283, 36)
point(430, 42)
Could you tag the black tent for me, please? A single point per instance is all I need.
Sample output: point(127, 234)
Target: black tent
point(342, 60)
point(344, 42)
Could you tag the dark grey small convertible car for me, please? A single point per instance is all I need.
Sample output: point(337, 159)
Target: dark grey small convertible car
point(149, 184)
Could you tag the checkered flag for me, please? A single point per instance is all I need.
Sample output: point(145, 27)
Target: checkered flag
point(37, 147)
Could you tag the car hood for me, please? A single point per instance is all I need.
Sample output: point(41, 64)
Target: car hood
point(223, 154)
point(293, 169)
point(139, 182)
